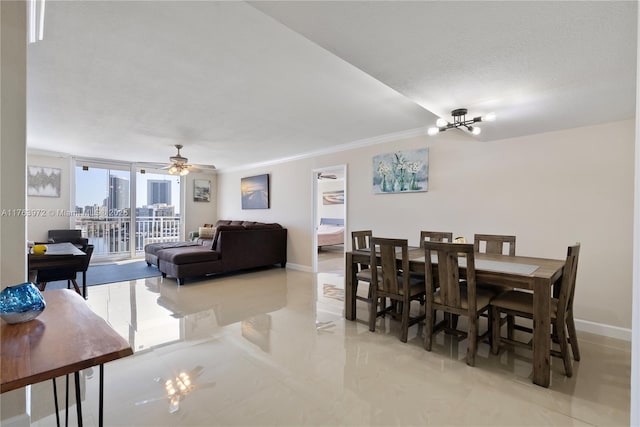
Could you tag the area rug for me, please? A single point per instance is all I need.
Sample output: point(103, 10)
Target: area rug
point(111, 273)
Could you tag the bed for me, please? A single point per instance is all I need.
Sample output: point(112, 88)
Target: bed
point(331, 231)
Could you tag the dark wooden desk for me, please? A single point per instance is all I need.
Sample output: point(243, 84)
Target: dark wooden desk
point(60, 256)
point(66, 338)
point(508, 271)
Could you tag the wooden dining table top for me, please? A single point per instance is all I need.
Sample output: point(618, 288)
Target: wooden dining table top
point(65, 338)
point(508, 267)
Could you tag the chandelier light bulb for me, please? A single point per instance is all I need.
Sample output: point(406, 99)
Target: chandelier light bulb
point(476, 130)
point(433, 131)
point(441, 122)
point(490, 117)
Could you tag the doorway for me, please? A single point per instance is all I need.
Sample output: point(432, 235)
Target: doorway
point(330, 219)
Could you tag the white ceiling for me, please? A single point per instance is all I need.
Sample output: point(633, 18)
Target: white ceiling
point(239, 83)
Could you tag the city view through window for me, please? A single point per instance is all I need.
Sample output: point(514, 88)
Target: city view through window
point(103, 202)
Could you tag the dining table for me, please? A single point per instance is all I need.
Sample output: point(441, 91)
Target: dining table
point(532, 273)
point(58, 256)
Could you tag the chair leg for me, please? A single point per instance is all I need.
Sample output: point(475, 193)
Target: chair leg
point(406, 305)
point(42, 286)
point(564, 348)
point(510, 326)
point(373, 311)
point(429, 320)
point(573, 337)
point(495, 330)
point(472, 348)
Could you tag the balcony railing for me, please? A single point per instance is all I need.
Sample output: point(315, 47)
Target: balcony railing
point(111, 236)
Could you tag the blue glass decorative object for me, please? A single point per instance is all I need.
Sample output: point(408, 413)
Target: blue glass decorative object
point(21, 303)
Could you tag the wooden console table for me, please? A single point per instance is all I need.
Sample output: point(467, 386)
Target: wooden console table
point(66, 338)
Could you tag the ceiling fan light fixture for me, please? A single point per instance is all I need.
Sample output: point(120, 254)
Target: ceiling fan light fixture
point(460, 121)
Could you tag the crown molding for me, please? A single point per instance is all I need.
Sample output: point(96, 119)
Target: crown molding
point(381, 139)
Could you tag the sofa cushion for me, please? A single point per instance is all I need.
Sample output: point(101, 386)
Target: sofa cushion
point(206, 232)
point(220, 228)
point(154, 248)
point(189, 255)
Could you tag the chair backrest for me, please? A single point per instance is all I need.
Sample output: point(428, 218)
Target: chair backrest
point(494, 244)
point(71, 236)
point(435, 236)
point(361, 239)
point(568, 282)
point(391, 282)
point(448, 257)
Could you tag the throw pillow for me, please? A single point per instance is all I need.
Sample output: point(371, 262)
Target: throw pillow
point(206, 232)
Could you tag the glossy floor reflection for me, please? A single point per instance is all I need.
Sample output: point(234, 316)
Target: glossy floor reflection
point(272, 347)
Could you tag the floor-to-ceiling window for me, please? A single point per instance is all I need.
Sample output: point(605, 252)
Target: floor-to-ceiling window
point(104, 195)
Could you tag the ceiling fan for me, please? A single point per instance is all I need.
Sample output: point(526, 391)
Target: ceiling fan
point(179, 165)
point(326, 176)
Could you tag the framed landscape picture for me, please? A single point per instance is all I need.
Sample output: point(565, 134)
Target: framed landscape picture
point(201, 190)
point(333, 197)
point(255, 192)
point(43, 181)
point(401, 172)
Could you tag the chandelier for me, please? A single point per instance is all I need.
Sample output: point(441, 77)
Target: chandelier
point(460, 121)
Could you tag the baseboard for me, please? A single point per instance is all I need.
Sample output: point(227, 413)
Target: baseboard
point(21, 420)
point(299, 267)
point(602, 329)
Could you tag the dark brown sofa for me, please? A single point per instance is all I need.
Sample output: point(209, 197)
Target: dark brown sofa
point(237, 245)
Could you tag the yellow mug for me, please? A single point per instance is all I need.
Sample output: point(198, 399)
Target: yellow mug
point(39, 249)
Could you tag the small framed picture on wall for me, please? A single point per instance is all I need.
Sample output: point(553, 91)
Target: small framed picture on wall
point(201, 190)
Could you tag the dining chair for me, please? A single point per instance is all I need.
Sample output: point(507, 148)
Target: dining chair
point(494, 244)
point(362, 240)
point(520, 304)
point(435, 236)
point(456, 297)
point(389, 279)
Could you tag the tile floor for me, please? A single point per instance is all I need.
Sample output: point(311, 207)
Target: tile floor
point(272, 347)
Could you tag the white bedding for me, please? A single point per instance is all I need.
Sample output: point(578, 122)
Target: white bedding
point(330, 235)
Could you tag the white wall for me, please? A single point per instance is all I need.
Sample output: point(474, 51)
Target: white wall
point(635, 342)
point(13, 119)
point(550, 190)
